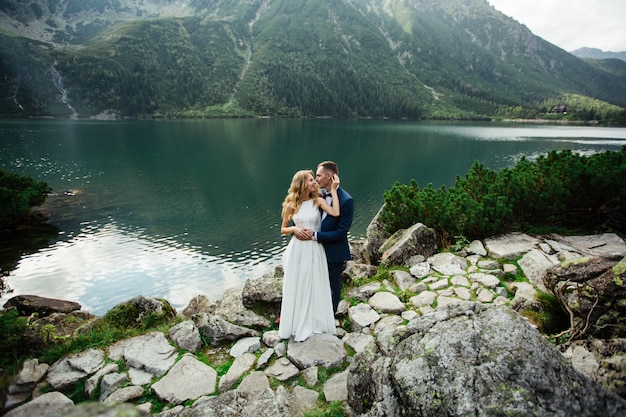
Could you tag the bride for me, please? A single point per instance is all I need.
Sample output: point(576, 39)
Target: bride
point(307, 304)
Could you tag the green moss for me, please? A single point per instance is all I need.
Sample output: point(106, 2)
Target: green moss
point(577, 261)
point(618, 270)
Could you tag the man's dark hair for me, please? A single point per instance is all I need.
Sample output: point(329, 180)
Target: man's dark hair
point(329, 166)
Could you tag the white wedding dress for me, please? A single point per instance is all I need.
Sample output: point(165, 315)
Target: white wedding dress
point(307, 306)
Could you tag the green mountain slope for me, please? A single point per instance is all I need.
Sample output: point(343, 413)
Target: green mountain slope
point(297, 58)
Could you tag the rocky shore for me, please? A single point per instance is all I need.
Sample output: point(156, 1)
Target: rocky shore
point(440, 333)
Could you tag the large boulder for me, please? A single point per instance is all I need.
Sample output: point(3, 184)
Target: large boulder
point(54, 328)
point(376, 235)
point(592, 290)
point(41, 306)
point(469, 359)
point(215, 329)
point(231, 308)
point(404, 244)
point(267, 290)
point(604, 361)
point(135, 311)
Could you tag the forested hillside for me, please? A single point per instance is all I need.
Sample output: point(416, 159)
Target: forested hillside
point(297, 58)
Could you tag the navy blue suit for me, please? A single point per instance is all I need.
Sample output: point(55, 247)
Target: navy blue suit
point(334, 236)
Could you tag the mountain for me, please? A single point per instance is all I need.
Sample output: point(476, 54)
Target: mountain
point(295, 58)
point(595, 53)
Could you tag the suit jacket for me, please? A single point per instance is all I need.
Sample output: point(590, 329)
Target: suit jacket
point(333, 233)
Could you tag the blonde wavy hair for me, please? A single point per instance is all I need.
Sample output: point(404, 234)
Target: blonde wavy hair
point(298, 192)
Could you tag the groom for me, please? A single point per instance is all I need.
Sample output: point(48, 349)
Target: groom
point(334, 231)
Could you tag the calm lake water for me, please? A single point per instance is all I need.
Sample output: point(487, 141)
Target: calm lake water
point(174, 209)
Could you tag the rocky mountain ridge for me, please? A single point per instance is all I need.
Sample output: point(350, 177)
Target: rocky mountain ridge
point(595, 53)
point(358, 58)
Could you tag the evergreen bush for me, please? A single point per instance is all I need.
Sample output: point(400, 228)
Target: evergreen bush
point(559, 191)
point(18, 194)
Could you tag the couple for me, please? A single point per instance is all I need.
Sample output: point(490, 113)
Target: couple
point(315, 257)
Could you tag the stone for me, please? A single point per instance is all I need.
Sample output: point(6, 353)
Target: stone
point(364, 292)
point(22, 386)
point(264, 358)
point(143, 306)
point(386, 302)
point(486, 280)
point(336, 388)
point(460, 281)
point(525, 298)
point(111, 382)
point(245, 345)
point(463, 293)
point(376, 236)
point(126, 394)
point(387, 325)
point(150, 353)
point(583, 360)
point(254, 383)
point(51, 330)
point(282, 370)
point(51, 404)
point(607, 245)
point(402, 279)
point(94, 381)
point(188, 379)
point(242, 364)
point(488, 264)
point(465, 359)
point(439, 285)
point(425, 298)
point(420, 270)
point(358, 341)
point(418, 288)
point(358, 271)
point(310, 375)
point(280, 349)
point(485, 296)
point(321, 349)
point(416, 240)
point(534, 264)
point(443, 301)
point(361, 316)
point(69, 370)
point(510, 246)
point(447, 263)
point(409, 315)
point(27, 305)
point(215, 329)
point(186, 336)
point(510, 269)
point(593, 291)
point(271, 338)
point(307, 398)
point(231, 308)
point(199, 304)
point(476, 247)
point(265, 290)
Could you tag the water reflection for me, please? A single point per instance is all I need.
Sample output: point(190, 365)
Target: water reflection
point(75, 269)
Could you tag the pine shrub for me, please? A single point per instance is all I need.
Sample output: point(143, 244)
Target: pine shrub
point(559, 191)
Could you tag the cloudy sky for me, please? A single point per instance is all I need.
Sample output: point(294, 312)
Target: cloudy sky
point(572, 24)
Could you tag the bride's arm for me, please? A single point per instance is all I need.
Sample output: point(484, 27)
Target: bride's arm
point(287, 229)
point(334, 209)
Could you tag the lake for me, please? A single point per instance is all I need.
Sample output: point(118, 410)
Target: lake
point(174, 209)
